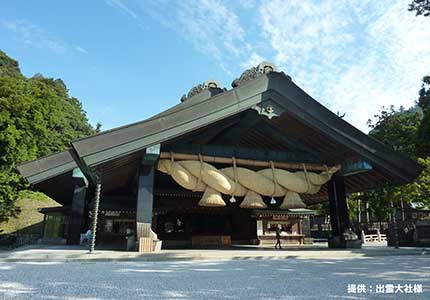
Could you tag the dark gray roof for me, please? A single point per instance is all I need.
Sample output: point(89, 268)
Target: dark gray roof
point(191, 115)
point(47, 167)
point(186, 117)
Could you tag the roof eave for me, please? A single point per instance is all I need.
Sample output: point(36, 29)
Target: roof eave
point(95, 150)
point(47, 167)
point(402, 169)
point(154, 131)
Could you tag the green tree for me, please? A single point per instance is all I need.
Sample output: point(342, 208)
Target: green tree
point(8, 66)
point(378, 200)
point(421, 7)
point(424, 94)
point(423, 134)
point(423, 137)
point(37, 117)
point(397, 129)
point(406, 131)
point(419, 190)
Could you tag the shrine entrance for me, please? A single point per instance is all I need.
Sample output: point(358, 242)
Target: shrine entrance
point(220, 168)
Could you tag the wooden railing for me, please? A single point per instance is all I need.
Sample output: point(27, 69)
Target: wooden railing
point(373, 238)
point(149, 244)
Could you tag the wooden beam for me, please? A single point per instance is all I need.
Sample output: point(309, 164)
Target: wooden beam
point(151, 155)
point(247, 121)
point(206, 133)
point(353, 167)
point(78, 178)
point(244, 162)
point(242, 152)
point(288, 142)
point(314, 115)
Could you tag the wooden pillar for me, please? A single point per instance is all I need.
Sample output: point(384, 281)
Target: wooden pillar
point(44, 226)
point(299, 226)
point(338, 211)
point(334, 218)
point(145, 199)
point(76, 217)
point(306, 226)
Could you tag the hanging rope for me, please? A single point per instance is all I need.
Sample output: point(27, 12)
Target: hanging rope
point(197, 175)
point(275, 182)
point(199, 179)
point(327, 173)
point(235, 176)
point(307, 179)
point(172, 161)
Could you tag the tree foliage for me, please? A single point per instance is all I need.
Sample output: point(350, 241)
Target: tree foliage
point(406, 131)
point(397, 129)
point(8, 66)
point(37, 117)
point(423, 134)
point(420, 7)
point(418, 191)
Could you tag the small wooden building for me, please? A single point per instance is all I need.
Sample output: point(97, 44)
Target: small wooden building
point(111, 181)
point(294, 224)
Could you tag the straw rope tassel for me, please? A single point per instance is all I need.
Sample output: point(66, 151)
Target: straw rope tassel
point(211, 197)
point(199, 176)
point(253, 200)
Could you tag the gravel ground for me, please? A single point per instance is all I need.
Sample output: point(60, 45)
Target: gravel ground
point(235, 279)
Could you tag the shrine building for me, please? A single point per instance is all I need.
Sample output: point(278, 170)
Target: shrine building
point(222, 167)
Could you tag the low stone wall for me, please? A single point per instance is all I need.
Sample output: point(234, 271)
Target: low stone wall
point(11, 241)
point(410, 234)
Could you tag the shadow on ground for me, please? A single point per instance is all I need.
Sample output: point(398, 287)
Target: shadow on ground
point(233, 279)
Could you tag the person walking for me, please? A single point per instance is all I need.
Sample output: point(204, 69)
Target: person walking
point(88, 238)
point(131, 239)
point(278, 237)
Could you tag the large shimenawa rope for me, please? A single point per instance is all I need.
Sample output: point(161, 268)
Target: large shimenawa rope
point(203, 177)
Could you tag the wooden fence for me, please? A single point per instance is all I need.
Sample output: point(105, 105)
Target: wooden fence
point(373, 238)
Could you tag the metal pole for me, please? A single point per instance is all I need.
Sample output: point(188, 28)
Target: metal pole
point(403, 209)
point(358, 212)
point(95, 214)
point(394, 224)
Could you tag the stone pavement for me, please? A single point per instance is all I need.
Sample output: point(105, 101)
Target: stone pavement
point(42, 253)
point(404, 277)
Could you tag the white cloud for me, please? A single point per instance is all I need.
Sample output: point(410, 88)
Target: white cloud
point(353, 57)
point(247, 4)
point(33, 35)
point(124, 8)
point(210, 26)
point(253, 60)
point(80, 49)
point(213, 29)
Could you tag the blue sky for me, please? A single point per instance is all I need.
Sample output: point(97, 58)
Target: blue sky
point(128, 60)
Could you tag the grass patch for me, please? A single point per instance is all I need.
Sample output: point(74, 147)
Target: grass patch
point(28, 219)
